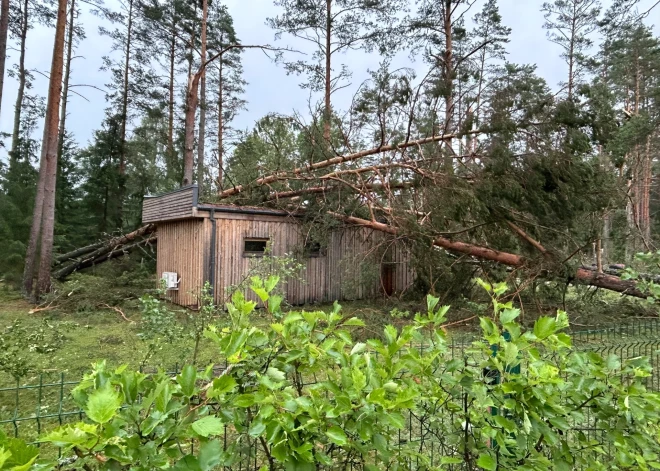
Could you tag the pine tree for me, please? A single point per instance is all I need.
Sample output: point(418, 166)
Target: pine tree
point(225, 79)
point(570, 24)
point(331, 27)
point(45, 227)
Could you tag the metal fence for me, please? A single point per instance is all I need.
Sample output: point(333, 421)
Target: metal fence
point(30, 407)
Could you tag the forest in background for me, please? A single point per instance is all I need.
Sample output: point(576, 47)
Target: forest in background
point(474, 150)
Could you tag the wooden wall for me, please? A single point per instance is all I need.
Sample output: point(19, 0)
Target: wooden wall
point(183, 248)
point(350, 267)
point(170, 206)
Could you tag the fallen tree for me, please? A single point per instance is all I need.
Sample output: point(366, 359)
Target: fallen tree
point(100, 252)
point(338, 160)
point(582, 275)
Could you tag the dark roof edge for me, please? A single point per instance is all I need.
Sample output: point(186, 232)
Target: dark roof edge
point(225, 208)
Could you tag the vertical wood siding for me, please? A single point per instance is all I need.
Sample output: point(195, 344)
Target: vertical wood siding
point(349, 268)
point(182, 248)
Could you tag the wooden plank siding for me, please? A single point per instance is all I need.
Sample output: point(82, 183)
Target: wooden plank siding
point(353, 265)
point(178, 204)
point(349, 268)
point(182, 246)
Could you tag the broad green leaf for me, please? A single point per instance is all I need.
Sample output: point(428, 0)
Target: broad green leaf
point(187, 463)
point(354, 321)
point(450, 460)
point(544, 327)
point(358, 348)
point(337, 436)
point(102, 404)
point(210, 454)
point(222, 385)
point(187, 380)
point(4, 456)
point(431, 302)
point(244, 400)
point(274, 303)
point(485, 285)
point(271, 282)
point(262, 293)
point(71, 435)
point(276, 374)
point(487, 462)
point(208, 426)
point(508, 315)
point(256, 428)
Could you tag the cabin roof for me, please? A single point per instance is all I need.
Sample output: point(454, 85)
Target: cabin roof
point(183, 203)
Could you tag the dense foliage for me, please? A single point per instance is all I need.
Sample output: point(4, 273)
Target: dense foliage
point(300, 394)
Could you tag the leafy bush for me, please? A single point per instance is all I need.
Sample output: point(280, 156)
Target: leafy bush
point(310, 397)
point(19, 344)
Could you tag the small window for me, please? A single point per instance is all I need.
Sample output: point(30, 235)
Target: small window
point(313, 249)
point(255, 247)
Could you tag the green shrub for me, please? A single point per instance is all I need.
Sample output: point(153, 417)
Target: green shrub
point(311, 397)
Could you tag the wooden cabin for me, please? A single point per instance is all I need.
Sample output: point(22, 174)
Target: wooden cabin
point(217, 243)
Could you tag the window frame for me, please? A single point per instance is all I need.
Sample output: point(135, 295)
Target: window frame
point(250, 253)
point(319, 251)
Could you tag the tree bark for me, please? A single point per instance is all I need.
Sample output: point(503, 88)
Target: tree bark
point(221, 125)
point(170, 105)
point(96, 251)
point(35, 229)
point(327, 111)
point(4, 29)
point(124, 115)
point(52, 115)
point(582, 275)
point(448, 57)
point(67, 76)
point(21, 82)
point(191, 108)
point(202, 111)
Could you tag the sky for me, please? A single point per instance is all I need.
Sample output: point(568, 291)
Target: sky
point(269, 88)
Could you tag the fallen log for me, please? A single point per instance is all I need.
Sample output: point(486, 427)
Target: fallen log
point(323, 189)
point(582, 275)
point(115, 247)
point(77, 253)
point(338, 160)
point(99, 248)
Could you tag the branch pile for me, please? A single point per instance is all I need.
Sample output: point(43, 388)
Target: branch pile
point(100, 252)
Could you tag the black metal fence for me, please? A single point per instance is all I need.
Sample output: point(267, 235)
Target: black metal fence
point(31, 406)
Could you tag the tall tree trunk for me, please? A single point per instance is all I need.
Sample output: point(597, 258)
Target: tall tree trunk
point(221, 126)
point(4, 29)
point(190, 110)
point(202, 111)
point(67, 76)
point(606, 238)
point(189, 132)
point(124, 116)
point(35, 229)
point(448, 58)
point(21, 82)
point(170, 107)
point(645, 194)
point(51, 122)
point(327, 111)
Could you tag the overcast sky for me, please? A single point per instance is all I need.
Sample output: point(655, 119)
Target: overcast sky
point(269, 88)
